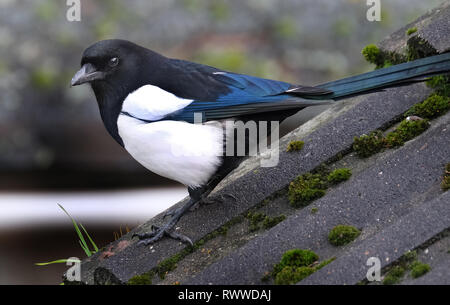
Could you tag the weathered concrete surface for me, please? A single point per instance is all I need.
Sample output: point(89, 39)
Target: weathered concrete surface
point(393, 186)
point(420, 225)
point(433, 27)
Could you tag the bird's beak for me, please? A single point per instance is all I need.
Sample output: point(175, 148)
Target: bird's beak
point(87, 73)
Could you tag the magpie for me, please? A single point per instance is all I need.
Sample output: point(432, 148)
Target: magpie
point(148, 103)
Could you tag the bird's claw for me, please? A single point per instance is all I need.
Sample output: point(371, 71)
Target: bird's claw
point(157, 233)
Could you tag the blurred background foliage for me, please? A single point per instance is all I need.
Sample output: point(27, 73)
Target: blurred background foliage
point(52, 132)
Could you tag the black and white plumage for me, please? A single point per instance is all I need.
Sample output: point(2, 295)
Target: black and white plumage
point(147, 103)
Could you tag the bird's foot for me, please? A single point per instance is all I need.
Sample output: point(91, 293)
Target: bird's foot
point(158, 232)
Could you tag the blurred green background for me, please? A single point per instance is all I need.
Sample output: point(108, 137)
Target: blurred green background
point(52, 140)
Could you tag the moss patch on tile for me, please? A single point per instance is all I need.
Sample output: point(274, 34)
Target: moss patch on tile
point(291, 275)
point(394, 275)
point(255, 220)
point(380, 58)
point(418, 269)
point(270, 222)
point(339, 175)
point(259, 221)
point(407, 130)
point(440, 84)
point(417, 47)
point(343, 234)
point(310, 186)
point(416, 122)
point(295, 265)
point(374, 55)
point(411, 31)
point(297, 258)
point(306, 188)
point(143, 279)
point(435, 105)
point(397, 270)
point(295, 146)
point(368, 145)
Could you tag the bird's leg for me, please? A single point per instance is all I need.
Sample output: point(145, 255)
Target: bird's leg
point(159, 232)
point(205, 200)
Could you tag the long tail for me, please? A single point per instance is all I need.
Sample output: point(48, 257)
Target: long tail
point(409, 72)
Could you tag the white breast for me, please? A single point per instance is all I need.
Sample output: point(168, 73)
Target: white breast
point(184, 152)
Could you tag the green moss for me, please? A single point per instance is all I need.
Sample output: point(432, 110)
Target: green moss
point(411, 31)
point(394, 275)
point(270, 222)
point(295, 146)
point(143, 279)
point(314, 210)
point(291, 275)
point(434, 106)
point(445, 184)
point(407, 130)
point(306, 188)
point(298, 258)
point(418, 47)
point(408, 257)
point(295, 265)
point(324, 263)
point(167, 265)
point(373, 55)
point(441, 84)
point(343, 234)
point(387, 64)
point(255, 220)
point(339, 175)
point(367, 145)
point(418, 269)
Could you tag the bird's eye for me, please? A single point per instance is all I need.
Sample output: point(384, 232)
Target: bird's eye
point(113, 62)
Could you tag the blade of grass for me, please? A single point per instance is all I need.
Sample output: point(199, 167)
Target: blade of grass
point(58, 261)
point(84, 249)
point(89, 237)
point(80, 235)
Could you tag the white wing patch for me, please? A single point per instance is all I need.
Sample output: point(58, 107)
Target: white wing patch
point(152, 103)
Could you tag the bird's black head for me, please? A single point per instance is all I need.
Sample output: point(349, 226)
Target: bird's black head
point(115, 68)
point(113, 63)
